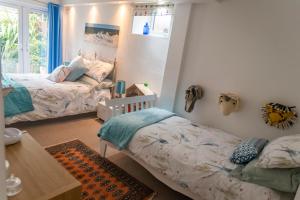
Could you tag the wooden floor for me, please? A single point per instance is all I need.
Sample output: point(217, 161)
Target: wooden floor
point(85, 128)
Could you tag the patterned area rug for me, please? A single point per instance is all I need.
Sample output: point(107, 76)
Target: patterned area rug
point(100, 178)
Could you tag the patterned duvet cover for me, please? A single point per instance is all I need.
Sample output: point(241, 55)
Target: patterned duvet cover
point(197, 159)
point(52, 100)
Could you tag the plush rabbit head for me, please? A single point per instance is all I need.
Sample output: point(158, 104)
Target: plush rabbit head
point(192, 94)
point(229, 103)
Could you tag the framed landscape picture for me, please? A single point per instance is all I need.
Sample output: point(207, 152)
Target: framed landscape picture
point(103, 34)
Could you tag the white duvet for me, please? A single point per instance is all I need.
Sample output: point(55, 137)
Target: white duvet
point(52, 100)
point(197, 159)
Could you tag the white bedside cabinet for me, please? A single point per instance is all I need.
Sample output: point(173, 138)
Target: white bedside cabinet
point(103, 112)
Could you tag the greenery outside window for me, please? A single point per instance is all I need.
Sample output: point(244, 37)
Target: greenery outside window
point(23, 39)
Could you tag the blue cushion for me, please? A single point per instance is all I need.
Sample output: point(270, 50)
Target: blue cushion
point(248, 150)
point(76, 73)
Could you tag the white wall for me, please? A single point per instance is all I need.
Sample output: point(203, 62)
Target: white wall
point(251, 48)
point(175, 54)
point(140, 59)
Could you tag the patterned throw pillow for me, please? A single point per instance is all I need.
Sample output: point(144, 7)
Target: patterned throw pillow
point(98, 70)
point(76, 73)
point(248, 150)
point(59, 74)
point(284, 152)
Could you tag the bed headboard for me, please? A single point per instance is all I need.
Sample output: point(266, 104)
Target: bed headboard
point(113, 75)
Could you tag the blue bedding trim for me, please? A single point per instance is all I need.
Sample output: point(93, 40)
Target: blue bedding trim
point(120, 130)
point(18, 100)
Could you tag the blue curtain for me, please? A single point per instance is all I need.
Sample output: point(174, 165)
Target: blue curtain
point(55, 37)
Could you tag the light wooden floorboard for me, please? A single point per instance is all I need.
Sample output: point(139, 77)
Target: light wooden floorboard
point(52, 132)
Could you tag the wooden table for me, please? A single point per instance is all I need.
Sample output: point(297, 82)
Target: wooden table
point(42, 176)
point(6, 91)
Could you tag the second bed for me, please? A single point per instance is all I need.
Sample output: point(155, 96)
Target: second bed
point(52, 100)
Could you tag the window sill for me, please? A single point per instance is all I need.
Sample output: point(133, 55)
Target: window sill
point(152, 35)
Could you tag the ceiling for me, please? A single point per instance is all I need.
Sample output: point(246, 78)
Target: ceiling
point(85, 2)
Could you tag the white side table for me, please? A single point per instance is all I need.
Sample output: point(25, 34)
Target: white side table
point(103, 111)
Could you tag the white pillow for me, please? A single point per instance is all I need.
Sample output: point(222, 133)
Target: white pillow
point(284, 152)
point(98, 70)
point(59, 74)
point(77, 62)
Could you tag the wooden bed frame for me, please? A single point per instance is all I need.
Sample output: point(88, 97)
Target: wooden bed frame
point(120, 106)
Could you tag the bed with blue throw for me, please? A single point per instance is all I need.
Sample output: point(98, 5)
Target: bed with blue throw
point(191, 159)
point(34, 97)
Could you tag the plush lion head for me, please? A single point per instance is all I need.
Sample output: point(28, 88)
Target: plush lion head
point(279, 116)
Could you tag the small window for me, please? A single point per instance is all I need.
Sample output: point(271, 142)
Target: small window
point(153, 20)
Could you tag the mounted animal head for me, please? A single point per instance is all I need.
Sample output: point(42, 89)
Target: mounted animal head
point(229, 103)
point(192, 94)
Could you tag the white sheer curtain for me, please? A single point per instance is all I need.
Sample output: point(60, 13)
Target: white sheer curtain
point(153, 9)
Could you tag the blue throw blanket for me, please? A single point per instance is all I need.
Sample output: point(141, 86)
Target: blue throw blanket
point(120, 130)
point(18, 100)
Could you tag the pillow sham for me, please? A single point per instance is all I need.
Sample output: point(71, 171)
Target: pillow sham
point(98, 70)
point(105, 84)
point(248, 150)
point(59, 74)
point(285, 180)
point(283, 152)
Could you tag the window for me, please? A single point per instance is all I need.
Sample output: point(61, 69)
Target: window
point(38, 34)
point(9, 40)
point(23, 39)
point(158, 18)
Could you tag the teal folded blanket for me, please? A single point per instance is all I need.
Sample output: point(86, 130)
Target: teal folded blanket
point(18, 100)
point(120, 130)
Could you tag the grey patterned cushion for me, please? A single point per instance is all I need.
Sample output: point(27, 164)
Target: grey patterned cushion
point(248, 150)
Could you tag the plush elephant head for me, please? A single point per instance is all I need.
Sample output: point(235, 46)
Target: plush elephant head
point(192, 94)
point(229, 103)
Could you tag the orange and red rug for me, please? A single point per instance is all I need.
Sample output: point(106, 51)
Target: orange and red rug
point(100, 178)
